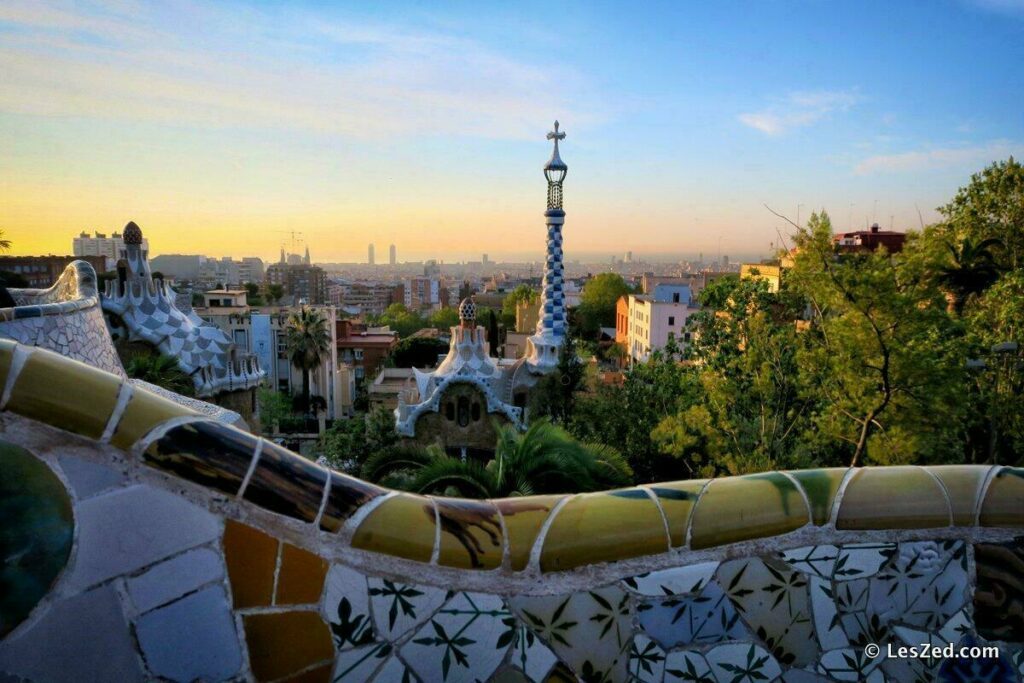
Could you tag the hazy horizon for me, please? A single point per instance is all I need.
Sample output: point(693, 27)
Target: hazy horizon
point(219, 128)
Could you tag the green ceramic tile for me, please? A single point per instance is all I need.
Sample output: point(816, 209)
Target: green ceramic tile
point(471, 535)
point(963, 484)
point(677, 500)
point(1004, 500)
point(821, 487)
point(893, 498)
point(402, 526)
point(145, 411)
point(65, 394)
point(523, 519)
point(741, 508)
point(36, 534)
point(603, 527)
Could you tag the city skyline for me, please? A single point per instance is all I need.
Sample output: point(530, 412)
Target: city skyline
point(235, 124)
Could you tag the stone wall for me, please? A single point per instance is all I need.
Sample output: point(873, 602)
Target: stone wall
point(148, 542)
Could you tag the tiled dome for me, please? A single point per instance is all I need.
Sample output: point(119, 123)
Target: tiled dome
point(132, 233)
point(467, 309)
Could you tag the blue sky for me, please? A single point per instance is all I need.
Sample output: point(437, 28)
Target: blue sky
point(216, 126)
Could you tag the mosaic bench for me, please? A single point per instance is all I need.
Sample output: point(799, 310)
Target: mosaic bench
point(144, 541)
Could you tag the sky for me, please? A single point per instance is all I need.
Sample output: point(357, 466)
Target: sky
point(220, 128)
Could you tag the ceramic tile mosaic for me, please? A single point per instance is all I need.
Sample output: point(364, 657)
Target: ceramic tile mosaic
point(285, 643)
point(914, 499)
point(402, 526)
point(742, 663)
point(599, 617)
point(471, 534)
point(646, 661)
point(346, 605)
point(208, 453)
point(964, 485)
point(705, 617)
point(523, 519)
point(739, 508)
point(399, 607)
point(677, 500)
point(465, 640)
point(1004, 499)
point(676, 581)
point(287, 483)
point(347, 495)
point(821, 487)
point(689, 666)
point(300, 577)
point(999, 596)
point(628, 520)
point(251, 558)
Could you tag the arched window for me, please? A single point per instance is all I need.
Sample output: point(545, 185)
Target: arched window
point(476, 411)
point(463, 411)
point(449, 411)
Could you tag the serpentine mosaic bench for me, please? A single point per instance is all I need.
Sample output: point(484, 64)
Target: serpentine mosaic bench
point(143, 541)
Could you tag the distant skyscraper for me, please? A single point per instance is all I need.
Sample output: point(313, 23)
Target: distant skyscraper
point(725, 260)
point(392, 255)
point(629, 257)
point(369, 254)
point(282, 255)
point(485, 260)
point(305, 259)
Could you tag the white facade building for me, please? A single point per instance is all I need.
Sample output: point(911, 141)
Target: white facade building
point(112, 248)
point(653, 317)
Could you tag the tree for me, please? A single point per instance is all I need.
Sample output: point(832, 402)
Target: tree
point(490, 319)
point(597, 303)
point(444, 319)
point(523, 294)
point(991, 206)
point(161, 370)
point(308, 342)
point(881, 354)
point(972, 271)
point(554, 396)
point(400, 319)
point(5, 244)
point(417, 352)
point(276, 411)
point(544, 459)
point(275, 293)
point(348, 444)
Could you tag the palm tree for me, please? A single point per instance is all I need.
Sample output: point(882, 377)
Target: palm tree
point(544, 459)
point(308, 341)
point(5, 244)
point(973, 270)
point(161, 370)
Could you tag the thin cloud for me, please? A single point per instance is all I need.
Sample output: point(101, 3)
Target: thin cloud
point(344, 77)
point(937, 159)
point(799, 109)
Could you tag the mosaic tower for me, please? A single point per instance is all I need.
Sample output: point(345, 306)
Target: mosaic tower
point(551, 327)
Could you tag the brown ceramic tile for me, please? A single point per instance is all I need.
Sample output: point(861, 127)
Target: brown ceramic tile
point(347, 495)
point(321, 674)
point(301, 577)
point(402, 526)
point(65, 394)
point(677, 499)
point(208, 453)
point(284, 643)
point(603, 527)
point(471, 535)
point(523, 519)
point(893, 498)
point(286, 483)
point(145, 410)
point(963, 485)
point(741, 508)
point(821, 487)
point(1004, 500)
point(251, 558)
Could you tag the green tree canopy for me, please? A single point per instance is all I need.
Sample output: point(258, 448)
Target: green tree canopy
point(417, 352)
point(161, 370)
point(597, 303)
point(308, 342)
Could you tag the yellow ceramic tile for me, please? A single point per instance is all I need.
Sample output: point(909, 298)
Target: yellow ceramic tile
point(65, 394)
point(821, 487)
point(523, 519)
point(471, 535)
point(963, 485)
point(284, 643)
point(741, 508)
point(251, 557)
point(677, 499)
point(6, 354)
point(603, 527)
point(893, 498)
point(300, 579)
point(402, 526)
point(145, 410)
point(1004, 500)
